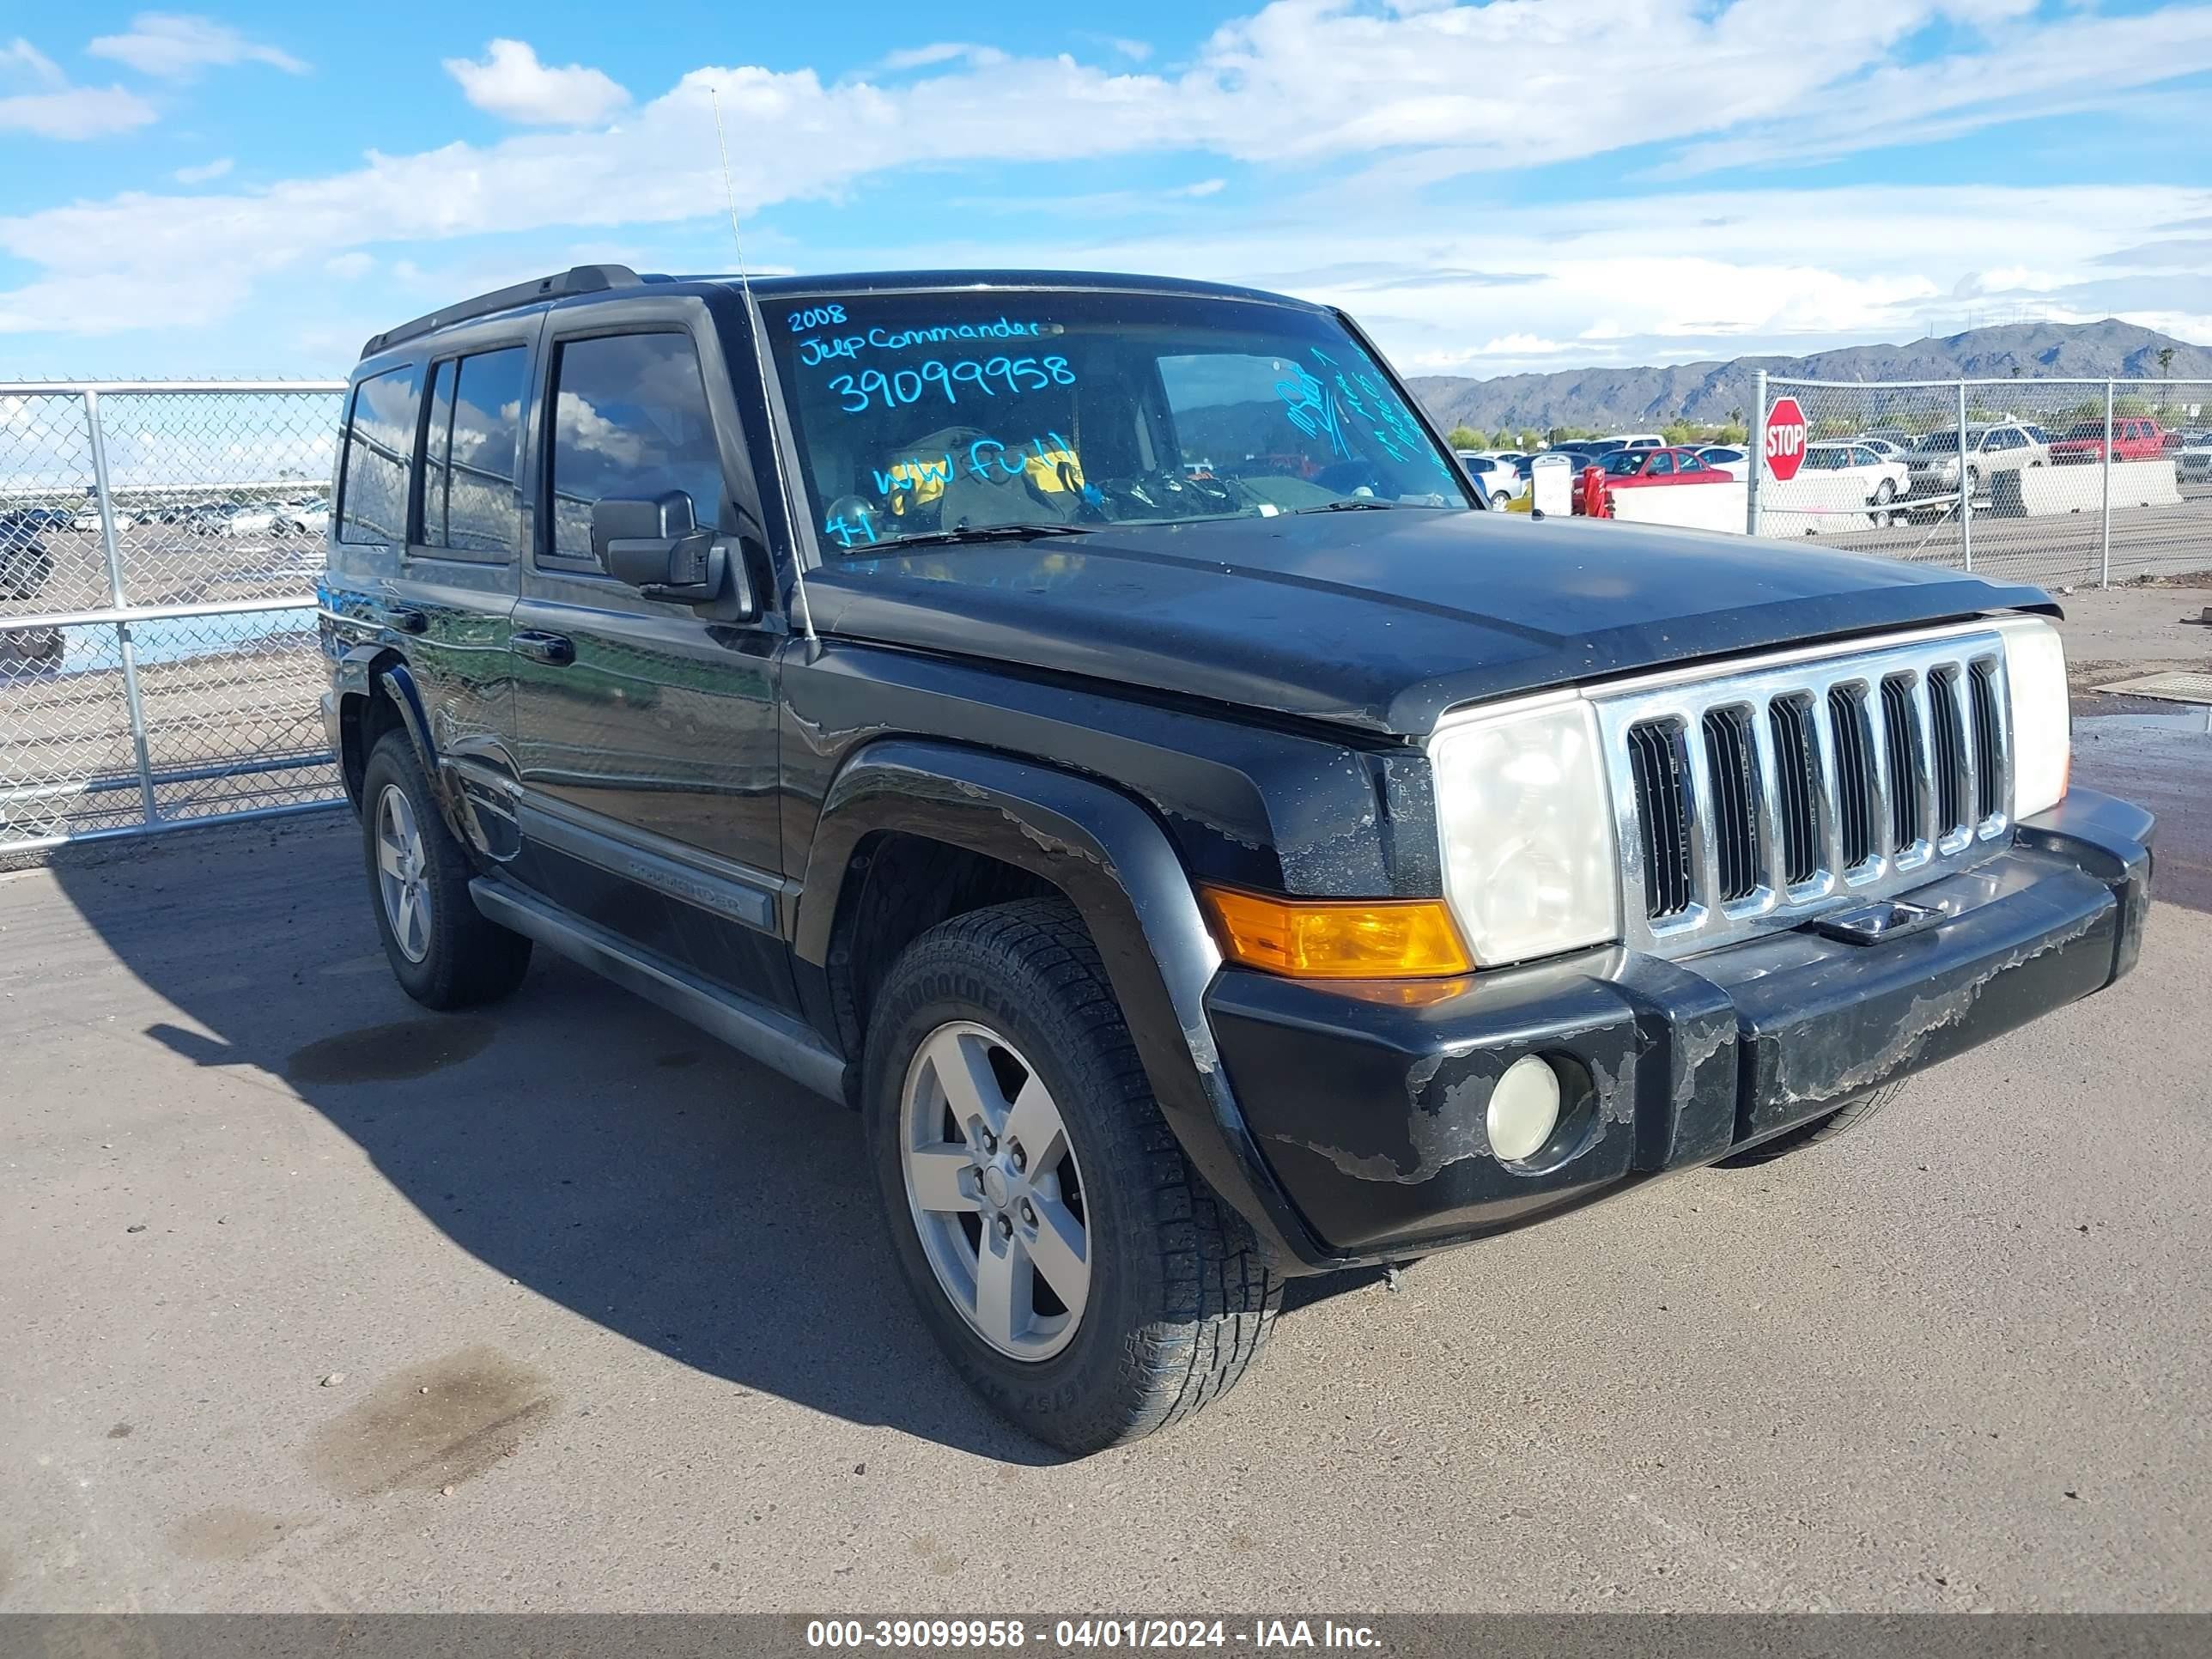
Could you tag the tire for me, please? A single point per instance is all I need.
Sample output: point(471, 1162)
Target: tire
point(1839, 1121)
point(1882, 516)
point(449, 956)
point(1974, 483)
point(1170, 1300)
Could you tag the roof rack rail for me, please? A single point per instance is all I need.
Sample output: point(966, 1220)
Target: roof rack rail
point(577, 279)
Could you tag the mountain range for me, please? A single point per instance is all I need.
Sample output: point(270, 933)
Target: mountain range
point(1717, 392)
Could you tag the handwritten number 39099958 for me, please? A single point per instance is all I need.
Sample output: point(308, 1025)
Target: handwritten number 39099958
point(874, 389)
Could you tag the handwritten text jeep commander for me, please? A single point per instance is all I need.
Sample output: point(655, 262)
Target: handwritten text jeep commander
point(1085, 723)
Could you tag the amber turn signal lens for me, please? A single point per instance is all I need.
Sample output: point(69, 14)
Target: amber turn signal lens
point(1336, 938)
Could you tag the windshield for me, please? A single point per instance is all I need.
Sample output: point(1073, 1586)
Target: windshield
point(1625, 463)
point(930, 414)
point(1939, 443)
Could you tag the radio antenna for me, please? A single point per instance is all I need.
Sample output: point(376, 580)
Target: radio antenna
point(757, 325)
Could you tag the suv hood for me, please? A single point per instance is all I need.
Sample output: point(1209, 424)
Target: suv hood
point(1378, 620)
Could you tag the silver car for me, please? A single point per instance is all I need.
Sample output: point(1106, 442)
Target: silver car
point(1997, 446)
point(2193, 460)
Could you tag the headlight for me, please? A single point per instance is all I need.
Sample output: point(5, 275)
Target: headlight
point(2042, 714)
point(1525, 818)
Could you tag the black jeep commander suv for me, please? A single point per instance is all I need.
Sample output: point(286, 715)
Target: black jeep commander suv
point(1087, 724)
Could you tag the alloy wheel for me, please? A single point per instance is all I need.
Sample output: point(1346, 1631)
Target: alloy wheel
point(995, 1191)
point(403, 876)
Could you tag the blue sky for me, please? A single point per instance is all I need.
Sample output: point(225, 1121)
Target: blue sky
point(1513, 185)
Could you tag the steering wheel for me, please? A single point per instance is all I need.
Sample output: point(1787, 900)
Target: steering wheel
point(1166, 492)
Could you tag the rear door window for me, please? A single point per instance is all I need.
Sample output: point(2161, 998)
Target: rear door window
point(482, 515)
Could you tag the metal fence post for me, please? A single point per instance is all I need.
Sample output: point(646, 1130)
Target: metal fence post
point(1965, 491)
point(112, 545)
point(2105, 564)
point(1754, 445)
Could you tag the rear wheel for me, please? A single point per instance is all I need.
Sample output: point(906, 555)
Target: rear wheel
point(1076, 1271)
point(1843, 1120)
point(442, 951)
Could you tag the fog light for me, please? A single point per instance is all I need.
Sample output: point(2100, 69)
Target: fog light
point(1524, 1108)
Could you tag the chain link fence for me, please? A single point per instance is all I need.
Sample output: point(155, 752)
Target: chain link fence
point(159, 548)
point(2055, 482)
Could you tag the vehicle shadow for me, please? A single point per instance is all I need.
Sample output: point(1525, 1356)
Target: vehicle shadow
point(574, 1138)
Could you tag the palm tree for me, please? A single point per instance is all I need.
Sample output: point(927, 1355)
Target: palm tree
point(2165, 362)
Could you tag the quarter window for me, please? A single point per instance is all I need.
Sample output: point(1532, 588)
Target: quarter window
point(379, 441)
point(630, 421)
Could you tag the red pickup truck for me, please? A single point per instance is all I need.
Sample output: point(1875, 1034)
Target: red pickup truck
point(2134, 440)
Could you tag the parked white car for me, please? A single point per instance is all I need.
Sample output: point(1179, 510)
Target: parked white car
point(88, 522)
point(302, 518)
point(1887, 449)
point(1880, 480)
point(249, 521)
point(1497, 480)
point(1724, 458)
point(2192, 462)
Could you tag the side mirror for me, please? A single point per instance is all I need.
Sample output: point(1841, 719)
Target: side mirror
point(657, 547)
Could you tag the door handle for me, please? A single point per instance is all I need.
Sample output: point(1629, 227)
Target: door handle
point(555, 650)
point(399, 617)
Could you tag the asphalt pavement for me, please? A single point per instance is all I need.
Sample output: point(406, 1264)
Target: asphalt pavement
point(312, 1301)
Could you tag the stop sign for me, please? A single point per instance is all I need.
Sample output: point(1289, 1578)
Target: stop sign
point(1785, 438)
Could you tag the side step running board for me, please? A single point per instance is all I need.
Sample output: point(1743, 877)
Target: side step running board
point(753, 1029)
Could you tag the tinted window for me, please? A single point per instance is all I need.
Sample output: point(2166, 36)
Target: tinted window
point(437, 436)
point(482, 515)
point(1688, 463)
point(380, 439)
point(1662, 466)
point(630, 422)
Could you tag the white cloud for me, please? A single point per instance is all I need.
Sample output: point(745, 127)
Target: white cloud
point(79, 112)
point(349, 266)
point(511, 83)
point(941, 51)
point(21, 63)
point(177, 46)
point(2070, 65)
point(51, 108)
point(1412, 94)
point(204, 172)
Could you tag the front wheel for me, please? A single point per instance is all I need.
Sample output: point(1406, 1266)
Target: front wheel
point(1076, 1271)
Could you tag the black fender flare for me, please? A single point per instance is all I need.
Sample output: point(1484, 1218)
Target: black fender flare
point(367, 669)
point(1114, 863)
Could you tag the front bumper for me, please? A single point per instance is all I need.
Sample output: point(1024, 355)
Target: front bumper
point(1370, 1115)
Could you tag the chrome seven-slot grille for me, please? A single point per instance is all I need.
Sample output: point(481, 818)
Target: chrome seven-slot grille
point(1750, 799)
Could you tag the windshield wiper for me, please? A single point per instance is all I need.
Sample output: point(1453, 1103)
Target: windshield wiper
point(981, 532)
point(1349, 504)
